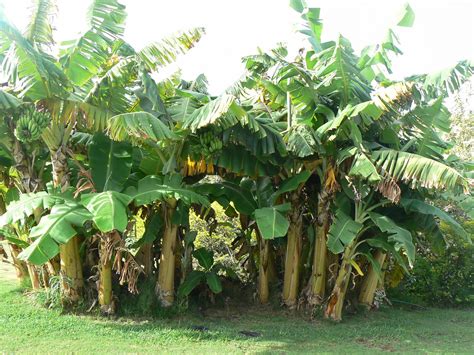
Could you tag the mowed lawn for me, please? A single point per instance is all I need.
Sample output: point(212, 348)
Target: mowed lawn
point(26, 328)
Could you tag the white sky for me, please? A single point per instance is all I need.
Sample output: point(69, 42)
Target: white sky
point(443, 32)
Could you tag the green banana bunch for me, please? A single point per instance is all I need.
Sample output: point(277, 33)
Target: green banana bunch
point(206, 138)
point(42, 119)
point(210, 143)
point(30, 125)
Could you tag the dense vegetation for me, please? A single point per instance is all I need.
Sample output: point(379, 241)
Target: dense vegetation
point(329, 166)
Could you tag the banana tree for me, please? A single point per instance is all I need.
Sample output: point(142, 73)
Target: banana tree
point(63, 87)
point(356, 225)
point(108, 211)
point(35, 74)
point(385, 169)
point(113, 175)
point(190, 144)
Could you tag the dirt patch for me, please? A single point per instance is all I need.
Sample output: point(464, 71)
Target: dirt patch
point(7, 272)
point(370, 343)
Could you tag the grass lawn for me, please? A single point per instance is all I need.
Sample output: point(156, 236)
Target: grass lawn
point(25, 327)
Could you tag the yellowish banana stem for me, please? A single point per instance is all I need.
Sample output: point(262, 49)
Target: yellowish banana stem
point(336, 300)
point(105, 275)
point(34, 277)
point(292, 257)
point(320, 260)
point(165, 285)
point(105, 287)
point(71, 266)
point(147, 258)
point(72, 280)
point(21, 269)
point(371, 280)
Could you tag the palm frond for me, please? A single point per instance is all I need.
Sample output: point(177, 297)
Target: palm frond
point(156, 187)
point(107, 18)
point(446, 81)
point(182, 106)
point(28, 203)
point(302, 141)
point(261, 136)
point(53, 230)
point(95, 117)
point(9, 101)
point(400, 237)
point(240, 161)
point(343, 231)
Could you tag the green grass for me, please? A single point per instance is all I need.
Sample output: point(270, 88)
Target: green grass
point(27, 328)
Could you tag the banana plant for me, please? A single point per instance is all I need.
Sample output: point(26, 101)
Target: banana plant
point(357, 224)
point(105, 205)
point(62, 87)
point(188, 145)
point(116, 191)
point(38, 77)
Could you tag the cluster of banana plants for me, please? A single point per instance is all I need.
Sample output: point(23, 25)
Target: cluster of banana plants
point(328, 164)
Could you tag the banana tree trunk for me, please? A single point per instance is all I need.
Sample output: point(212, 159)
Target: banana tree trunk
point(105, 275)
point(60, 168)
point(71, 266)
point(34, 277)
point(166, 271)
point(72, 280)
point(21, 269)
point(146, 255)
point(105, 287)
point(3, 207)
point(263, 272)
point(369, 285)
point(336, 300)
point(47, 271)
point(293, 255)
point(318, 276)
point(28, 179)
point(54, 266)
point(45, 276)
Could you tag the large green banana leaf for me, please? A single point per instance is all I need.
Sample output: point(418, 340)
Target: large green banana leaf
point(396, 234)
point(159, 188)
point(28, 203)
point(271, 221)
point(110, 163)
point(424, 208)
point(343, 231)
point(108, 210)
point(54, 229)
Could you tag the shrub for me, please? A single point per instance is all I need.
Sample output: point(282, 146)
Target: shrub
point(445, 278)
point(219, 238)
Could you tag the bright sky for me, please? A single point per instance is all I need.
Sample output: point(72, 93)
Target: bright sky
point(443, 32)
